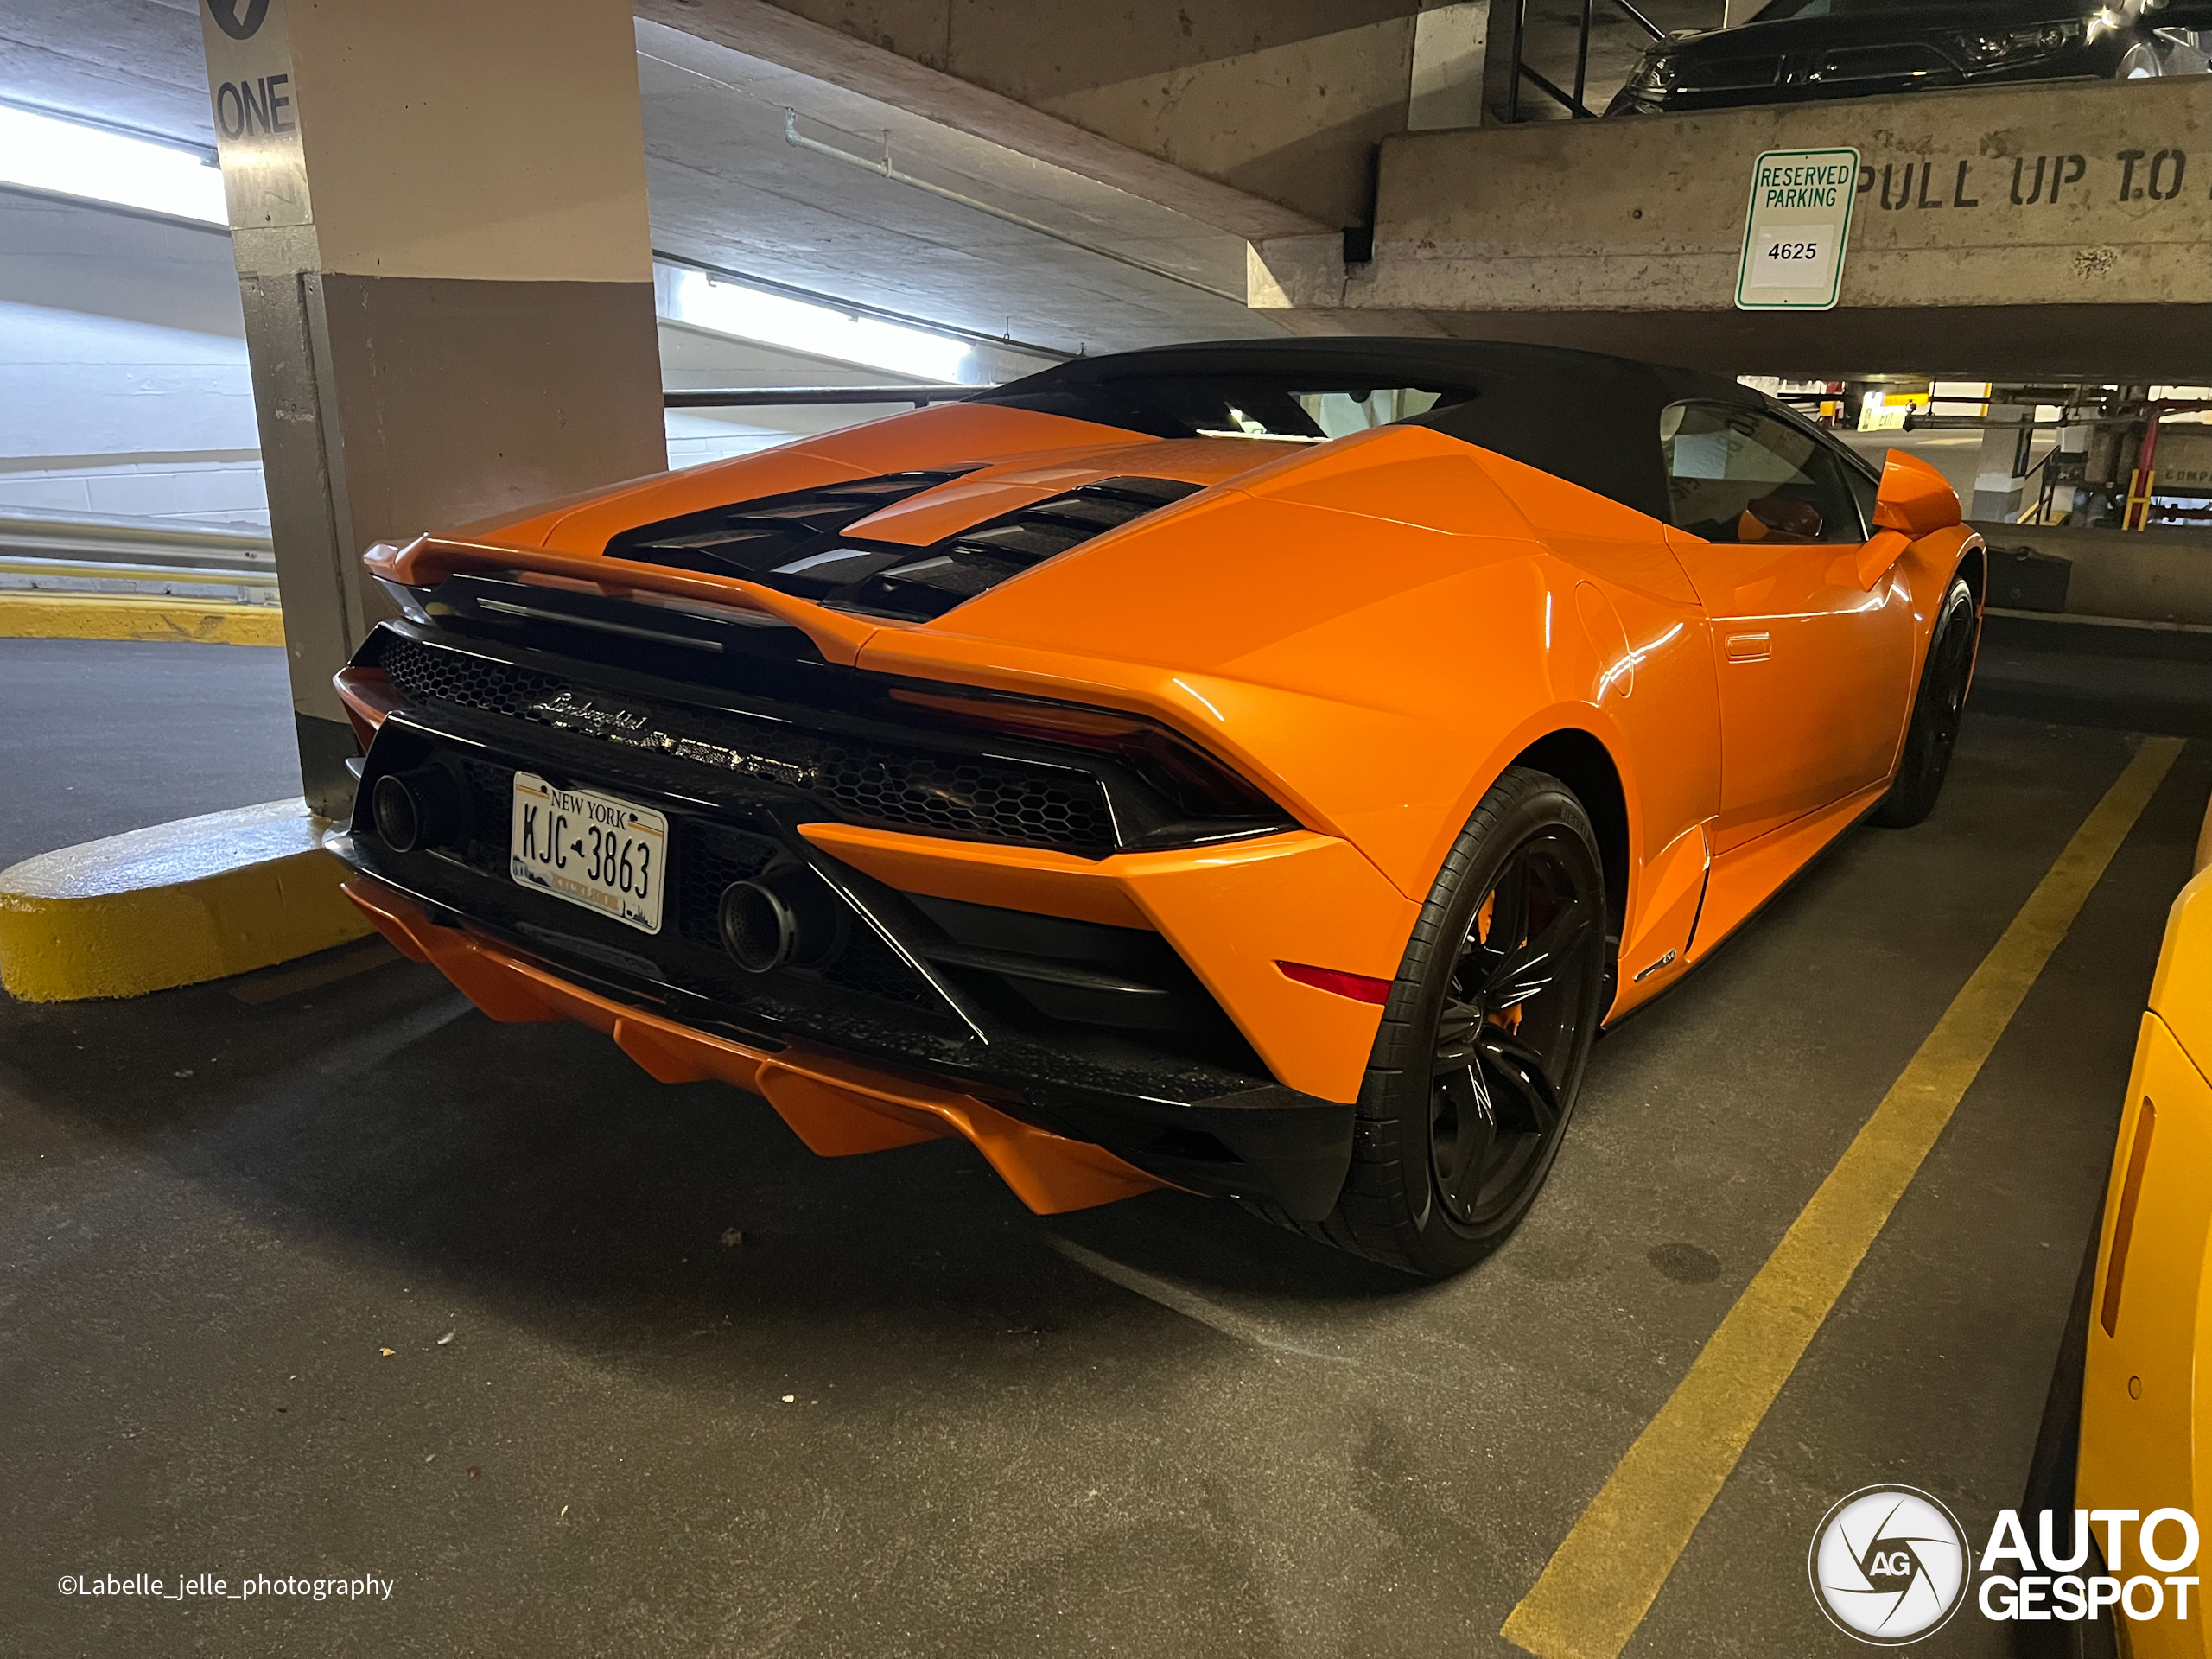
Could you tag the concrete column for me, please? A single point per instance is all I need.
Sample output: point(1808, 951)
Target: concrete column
point(438, 215)
point(1998, 483)
point(1451, 40)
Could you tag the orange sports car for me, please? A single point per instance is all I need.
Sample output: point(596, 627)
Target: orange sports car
point(1256, 768)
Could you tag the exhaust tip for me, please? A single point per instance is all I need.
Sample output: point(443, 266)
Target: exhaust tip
point(398, 815)
point(759, 930)
point(422, 808)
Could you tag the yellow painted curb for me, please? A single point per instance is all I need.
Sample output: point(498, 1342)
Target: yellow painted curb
point(174, 904)
point(138, 616)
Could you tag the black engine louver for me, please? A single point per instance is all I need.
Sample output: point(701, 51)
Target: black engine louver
point(749, 539)
point(795, 542)
point(930, 581)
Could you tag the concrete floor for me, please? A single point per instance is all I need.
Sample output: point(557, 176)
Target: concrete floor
point(99, 736)
point(660, 1380)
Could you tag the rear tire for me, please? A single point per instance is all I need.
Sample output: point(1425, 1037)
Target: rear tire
point(1936, 713)
point(1480, 1056)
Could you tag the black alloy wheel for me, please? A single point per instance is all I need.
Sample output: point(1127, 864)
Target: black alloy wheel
point(1937, 713)
point(1510, 1033)
point(1481, 1047)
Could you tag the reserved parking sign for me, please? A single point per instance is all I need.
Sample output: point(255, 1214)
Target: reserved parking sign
point(1796, 230)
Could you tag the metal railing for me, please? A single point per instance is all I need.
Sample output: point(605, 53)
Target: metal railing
point(1570, 101)
point(88, 555)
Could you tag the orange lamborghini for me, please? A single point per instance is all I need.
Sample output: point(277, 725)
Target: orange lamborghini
point(1259, 769)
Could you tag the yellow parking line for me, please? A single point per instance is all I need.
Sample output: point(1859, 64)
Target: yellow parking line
point(1604, 1577)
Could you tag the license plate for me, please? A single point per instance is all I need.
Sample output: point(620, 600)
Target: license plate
point(595, 850)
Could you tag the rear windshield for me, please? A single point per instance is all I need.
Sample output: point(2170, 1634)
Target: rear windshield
point(1310, 407)
point(1578, 416)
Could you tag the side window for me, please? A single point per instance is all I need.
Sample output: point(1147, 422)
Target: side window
point(1734, 474)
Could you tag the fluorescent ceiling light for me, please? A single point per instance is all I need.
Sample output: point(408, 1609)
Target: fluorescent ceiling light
point(697, 298)
point(69, 158)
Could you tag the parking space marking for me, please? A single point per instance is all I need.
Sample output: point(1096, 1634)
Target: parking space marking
point(1606, 1574)
point(1189, 1305)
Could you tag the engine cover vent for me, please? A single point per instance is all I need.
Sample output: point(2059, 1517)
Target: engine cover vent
point(748, 539)
point(930, 581)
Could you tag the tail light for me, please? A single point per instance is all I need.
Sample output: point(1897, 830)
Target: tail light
point(1192, 782)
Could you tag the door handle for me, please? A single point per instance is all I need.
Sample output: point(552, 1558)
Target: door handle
point(1750, 647)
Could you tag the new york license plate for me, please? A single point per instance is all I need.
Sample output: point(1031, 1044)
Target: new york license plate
point(606, 854)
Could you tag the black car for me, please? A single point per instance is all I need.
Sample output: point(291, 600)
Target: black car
point(1797, 51)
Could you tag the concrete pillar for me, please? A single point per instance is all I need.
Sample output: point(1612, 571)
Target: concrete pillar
point(1451, 40)
point(1742, 11)
point(439, 219)
point(1999, 482)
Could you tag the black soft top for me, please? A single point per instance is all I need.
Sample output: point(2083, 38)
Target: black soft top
point(1590, 419)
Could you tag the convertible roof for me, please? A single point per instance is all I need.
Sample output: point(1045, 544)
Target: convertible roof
point(1590, 419)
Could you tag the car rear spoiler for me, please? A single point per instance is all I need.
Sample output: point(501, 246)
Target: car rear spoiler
point(429, 560)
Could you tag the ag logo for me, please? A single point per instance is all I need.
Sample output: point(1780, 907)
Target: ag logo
point(1888, 1565)
point(225, 14)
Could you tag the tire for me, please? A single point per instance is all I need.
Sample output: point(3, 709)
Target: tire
point(1488, 1024)
point(1936, 711)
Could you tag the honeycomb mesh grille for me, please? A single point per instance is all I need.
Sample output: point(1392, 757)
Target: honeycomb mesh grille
point(432, 674)
point(867, 782)
point(963, 798)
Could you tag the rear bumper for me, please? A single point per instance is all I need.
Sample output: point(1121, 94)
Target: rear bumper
point(1050, 1144)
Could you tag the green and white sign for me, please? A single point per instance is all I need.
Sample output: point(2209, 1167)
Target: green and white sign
point(1798, 229)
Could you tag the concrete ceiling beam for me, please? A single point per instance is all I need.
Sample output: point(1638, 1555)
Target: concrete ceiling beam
point(2048, 229)
point(1259, 118)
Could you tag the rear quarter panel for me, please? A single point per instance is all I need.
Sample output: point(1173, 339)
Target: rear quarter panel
point(1373, 632)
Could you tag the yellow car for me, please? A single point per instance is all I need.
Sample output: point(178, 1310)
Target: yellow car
point(2147, 1319)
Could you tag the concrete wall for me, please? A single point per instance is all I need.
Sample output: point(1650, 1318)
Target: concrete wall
point(2147, 575)
point(124, 391)
point(1628, 234)
point(124, 388)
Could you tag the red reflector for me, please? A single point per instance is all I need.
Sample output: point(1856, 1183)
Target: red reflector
point(1359, 987)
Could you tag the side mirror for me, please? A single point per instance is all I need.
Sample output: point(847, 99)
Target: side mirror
point(1916, 500)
